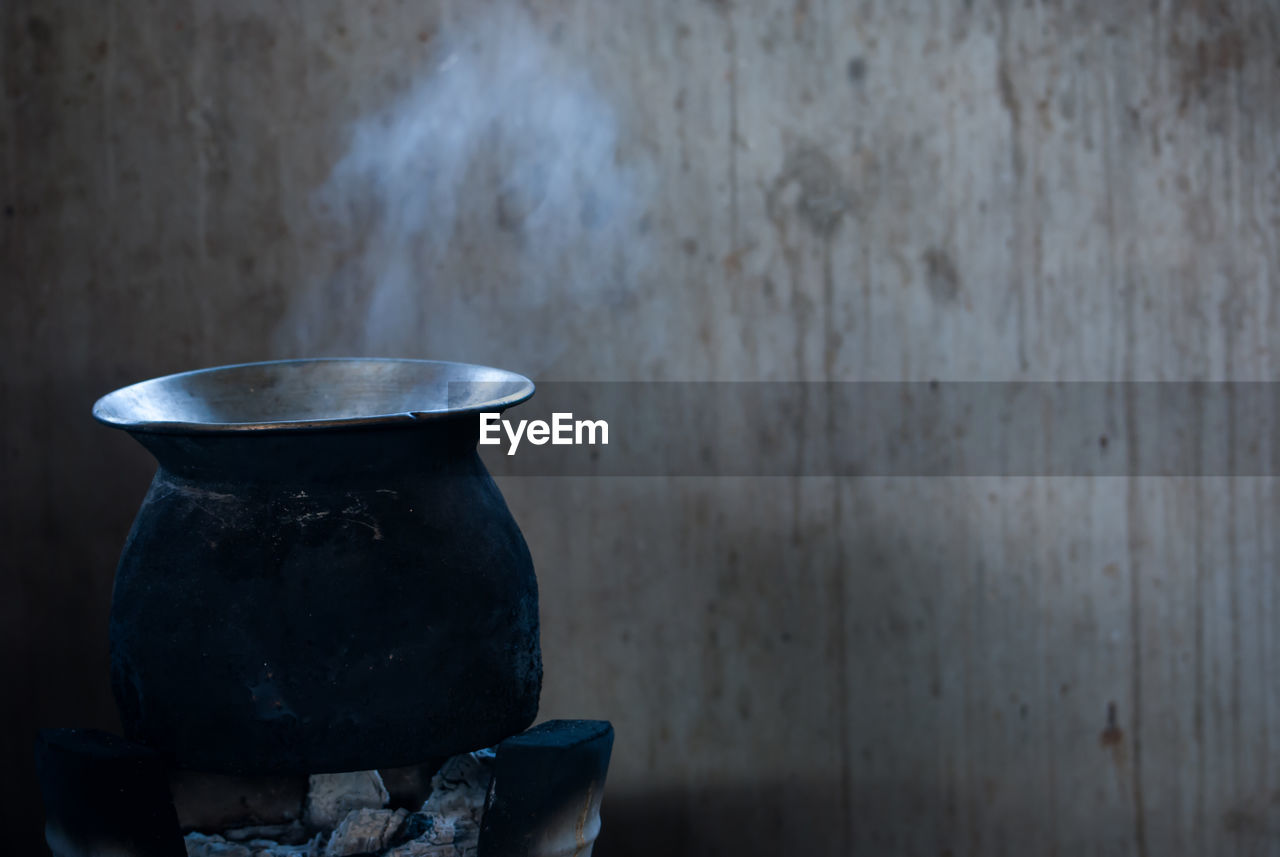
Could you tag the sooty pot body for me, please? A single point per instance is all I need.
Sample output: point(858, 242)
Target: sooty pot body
point(325, 600)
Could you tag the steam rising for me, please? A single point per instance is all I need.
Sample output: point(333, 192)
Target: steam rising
point(477, 211)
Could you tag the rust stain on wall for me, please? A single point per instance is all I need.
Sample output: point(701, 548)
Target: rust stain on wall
point(941, 276)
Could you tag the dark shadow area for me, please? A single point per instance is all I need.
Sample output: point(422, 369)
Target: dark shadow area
point(745, 820)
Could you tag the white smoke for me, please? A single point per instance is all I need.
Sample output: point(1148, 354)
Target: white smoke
point(481, 206)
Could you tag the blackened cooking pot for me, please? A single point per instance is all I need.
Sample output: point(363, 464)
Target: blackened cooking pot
point(323, 575)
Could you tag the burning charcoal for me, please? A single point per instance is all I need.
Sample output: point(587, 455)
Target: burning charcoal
point(264, 848)
point(409, 787)
point(438, 837)
point(417, 825)
point(105, 795)
point(332, 796)
point(208, 801)
point(365, 831)
point(547, 785)
point(314, 848)
point(290, 834)
point(460, 786)
point(199, 845)
point(448, 824)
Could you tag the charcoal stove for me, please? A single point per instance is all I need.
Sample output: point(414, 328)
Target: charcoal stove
point(324, 631)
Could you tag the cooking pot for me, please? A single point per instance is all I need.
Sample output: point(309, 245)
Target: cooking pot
point(322, 576)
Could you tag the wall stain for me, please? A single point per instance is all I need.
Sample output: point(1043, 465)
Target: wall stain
point(1207, 63)
point(1112, 736)
point(822, 199)
point(1136, 540)
point(732, 262)
point(799, 17)
point(44, 51)
point(1008, 96)
point(40, 31)
point(1009, 99)
point(1255, 816)
point(941, 276)
point(1243, 821)
point(1045, 111)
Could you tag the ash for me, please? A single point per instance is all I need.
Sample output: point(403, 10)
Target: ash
point(349, 814)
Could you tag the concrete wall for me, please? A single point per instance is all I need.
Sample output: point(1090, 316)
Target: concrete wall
point(874, 190)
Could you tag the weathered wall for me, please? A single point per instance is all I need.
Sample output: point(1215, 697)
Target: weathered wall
point(875, 190)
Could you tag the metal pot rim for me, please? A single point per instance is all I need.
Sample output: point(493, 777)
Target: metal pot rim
point(301, 395)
